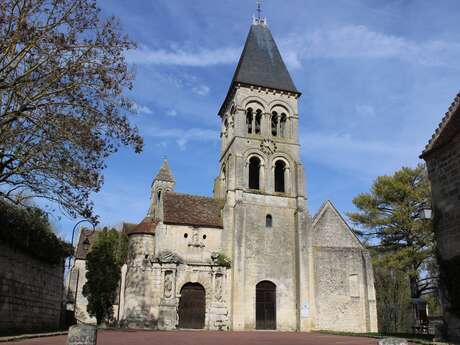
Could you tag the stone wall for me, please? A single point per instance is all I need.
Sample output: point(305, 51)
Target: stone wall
point(31, 293)
point(444, 173)
point(344, 291)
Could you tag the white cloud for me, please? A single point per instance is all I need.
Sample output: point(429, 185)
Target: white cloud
point(358, 41)
point(201, 90)
point(183, 136)
point(142, 109)
point(184, 57)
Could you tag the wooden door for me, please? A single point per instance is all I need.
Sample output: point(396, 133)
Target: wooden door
point(265, 305)
point(192, 306)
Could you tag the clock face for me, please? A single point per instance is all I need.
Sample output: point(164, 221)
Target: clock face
point(268, 146)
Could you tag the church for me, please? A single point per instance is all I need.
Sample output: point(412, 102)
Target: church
point(250, 257)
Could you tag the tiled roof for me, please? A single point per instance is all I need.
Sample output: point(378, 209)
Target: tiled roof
point(127, 227)
point(449, 126)
point(80, 252)
point(261, 63)
point(147, 226)
point(165, 173)
point(192, 210)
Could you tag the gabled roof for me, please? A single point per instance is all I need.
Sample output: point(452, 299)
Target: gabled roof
point(261, 63)
point(147, 226)
point(447, 129)
point(164, 174)
point(184, 209)
point(329, 206)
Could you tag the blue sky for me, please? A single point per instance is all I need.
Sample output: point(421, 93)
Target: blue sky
point(376, 77)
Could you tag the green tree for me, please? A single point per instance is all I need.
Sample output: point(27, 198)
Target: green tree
point(388, 219)
point(103, 264)
point(394, 309)
point(63, 77)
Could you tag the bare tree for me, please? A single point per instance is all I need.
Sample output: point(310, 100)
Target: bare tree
point(63, 110)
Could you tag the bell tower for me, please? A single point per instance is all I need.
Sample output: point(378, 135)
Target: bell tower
point(162, 183)
point(262, 181)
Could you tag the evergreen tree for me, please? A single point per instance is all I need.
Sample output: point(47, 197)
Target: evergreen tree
point(103, 265)
point(389, 221)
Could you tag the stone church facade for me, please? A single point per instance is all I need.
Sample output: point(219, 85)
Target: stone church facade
point(250, 257)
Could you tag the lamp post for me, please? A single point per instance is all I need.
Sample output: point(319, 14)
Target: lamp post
point(86, 243)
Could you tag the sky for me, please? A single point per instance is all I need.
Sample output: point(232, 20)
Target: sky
point(376, 78)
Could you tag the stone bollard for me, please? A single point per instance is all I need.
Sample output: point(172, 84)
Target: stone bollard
point(393, 341)
point(82, 335)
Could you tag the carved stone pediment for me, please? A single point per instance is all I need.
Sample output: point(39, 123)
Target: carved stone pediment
point(168, 257)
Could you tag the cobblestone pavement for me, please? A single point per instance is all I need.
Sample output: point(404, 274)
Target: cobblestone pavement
point(208, 338)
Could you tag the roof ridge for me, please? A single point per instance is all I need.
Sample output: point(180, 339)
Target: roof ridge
point(444, 121)
point(193, 195)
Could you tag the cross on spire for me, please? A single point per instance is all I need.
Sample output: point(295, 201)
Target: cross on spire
point(258, 19)
point(259, 9)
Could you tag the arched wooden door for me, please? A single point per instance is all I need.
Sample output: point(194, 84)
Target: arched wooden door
point(265, 305)
point(192, 306)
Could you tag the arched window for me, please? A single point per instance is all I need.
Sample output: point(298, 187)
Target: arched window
point(224, 176)
point(225, 125)
point(283, 120)
point(159, 197)
point(254, 171)
point(249, 116)
point(274, 123)
point(268, 221)
point(280, 166)
point(258, 120)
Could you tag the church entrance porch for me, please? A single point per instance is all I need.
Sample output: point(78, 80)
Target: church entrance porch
point(265, 305)
point(192, 306)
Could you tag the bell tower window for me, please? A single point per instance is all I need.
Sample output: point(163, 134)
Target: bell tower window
point(159, 197)
point(258, 120)
point(280, 167)
point(249, 117)
point(254, 173)
point(274, 124)
point(283, 121)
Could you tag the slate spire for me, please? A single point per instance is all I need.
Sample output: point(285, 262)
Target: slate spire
point(261, 63)
point(164, 174)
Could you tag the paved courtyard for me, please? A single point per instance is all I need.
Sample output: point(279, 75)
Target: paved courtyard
point(209, 338)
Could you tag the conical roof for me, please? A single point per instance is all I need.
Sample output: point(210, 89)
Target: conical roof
point(261, 63)
point(164, 174)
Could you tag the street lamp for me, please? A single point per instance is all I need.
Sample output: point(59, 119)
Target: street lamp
point(86, 242)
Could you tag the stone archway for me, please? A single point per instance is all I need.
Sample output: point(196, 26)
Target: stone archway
point(265, 305)
point(192, 306)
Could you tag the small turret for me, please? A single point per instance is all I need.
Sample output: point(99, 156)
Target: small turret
point(162, 183)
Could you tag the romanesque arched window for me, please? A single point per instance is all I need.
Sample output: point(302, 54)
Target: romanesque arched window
point(249, 117)
point(254, 173)
point(280, 167)
point(283, 120)
point(225, 125)
point(274, 122)
point(268, 221)
point(258, 121)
